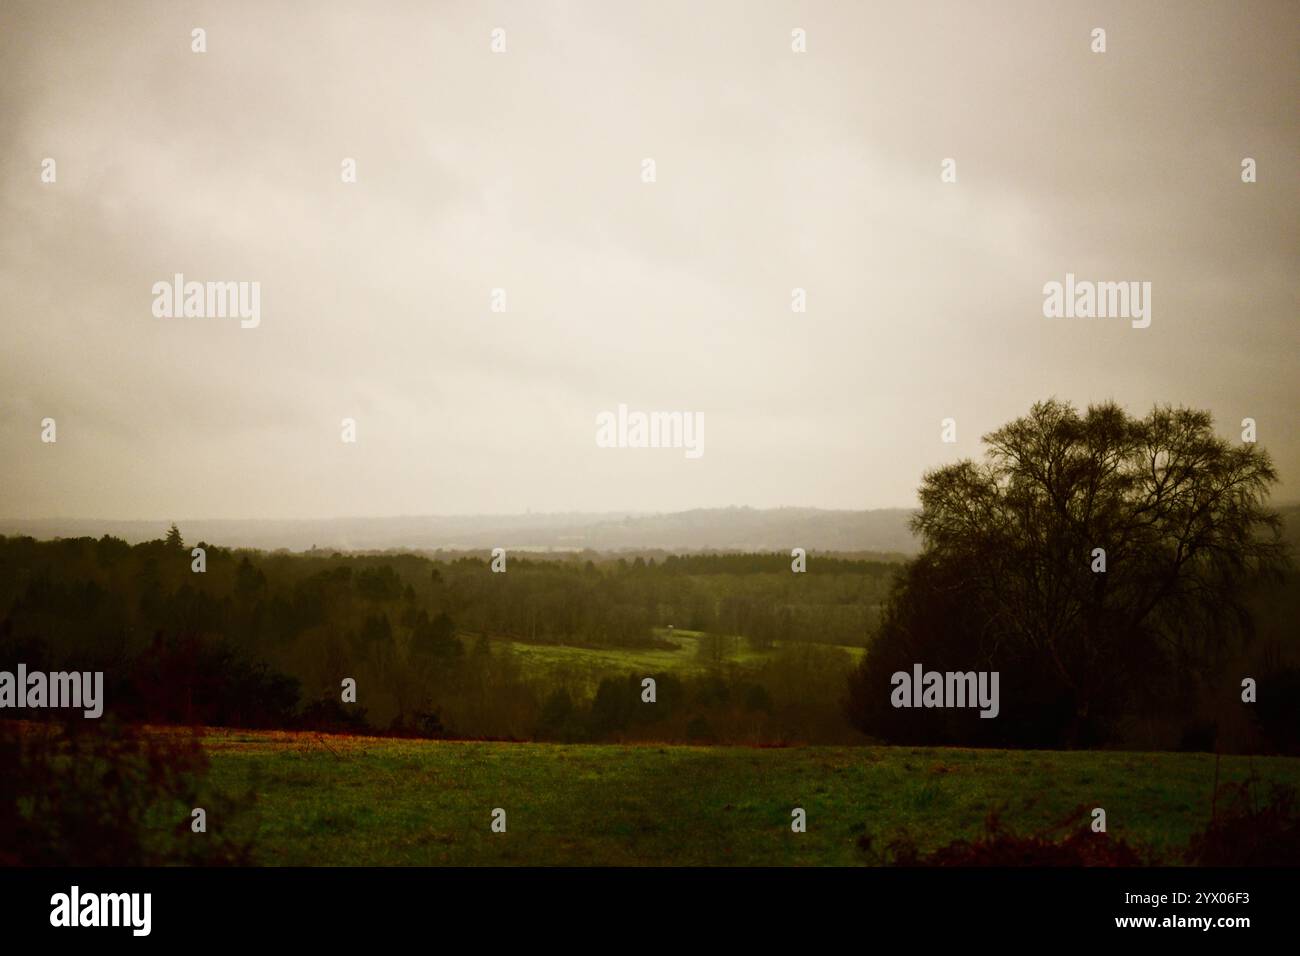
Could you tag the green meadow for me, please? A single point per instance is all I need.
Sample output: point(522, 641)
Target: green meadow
point(338, 800)
point(582, 668)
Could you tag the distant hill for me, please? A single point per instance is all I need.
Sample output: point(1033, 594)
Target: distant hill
point(739, 529)
point(883, 530)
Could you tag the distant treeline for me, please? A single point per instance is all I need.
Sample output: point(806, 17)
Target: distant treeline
point(264, 640)
point(699, 529)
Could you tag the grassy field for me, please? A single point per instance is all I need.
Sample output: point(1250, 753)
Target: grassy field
point(355, 800)
point(583, 667)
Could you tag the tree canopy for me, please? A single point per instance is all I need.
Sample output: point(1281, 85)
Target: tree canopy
point(1102, 557)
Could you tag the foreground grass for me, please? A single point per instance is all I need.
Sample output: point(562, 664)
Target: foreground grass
point(368, 801)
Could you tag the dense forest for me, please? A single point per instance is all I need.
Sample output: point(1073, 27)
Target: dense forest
point(260, 639)
point(441, 645)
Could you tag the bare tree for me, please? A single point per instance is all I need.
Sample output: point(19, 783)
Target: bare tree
point(1099, 540)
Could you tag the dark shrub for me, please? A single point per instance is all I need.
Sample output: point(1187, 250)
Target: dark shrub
point(1070, 843)
point(190, 681)
point(1249, 829)
point(1277, 712)
point(100, 793)
point(699, 730)
point(930, 621)
point(559, 719)
point(758, 699)
point(331, 715)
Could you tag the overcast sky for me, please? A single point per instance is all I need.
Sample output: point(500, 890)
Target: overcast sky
point(523, 170)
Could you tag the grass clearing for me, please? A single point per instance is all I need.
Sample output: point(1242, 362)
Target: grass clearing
point(582, 668)
point(331, 800)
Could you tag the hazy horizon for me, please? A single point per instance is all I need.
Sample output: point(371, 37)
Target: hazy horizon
point(523, 170)
point(732, 529)
point(880, 531)
point(1276, 502)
